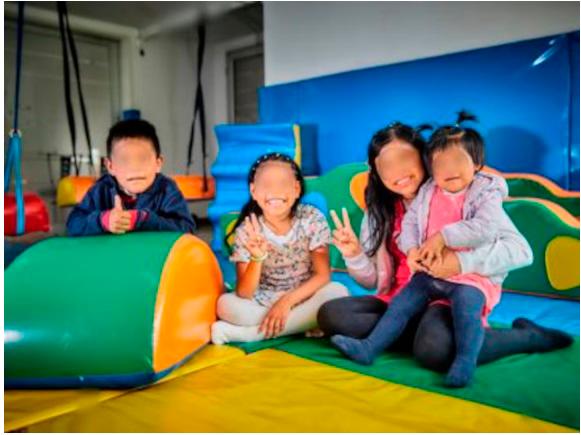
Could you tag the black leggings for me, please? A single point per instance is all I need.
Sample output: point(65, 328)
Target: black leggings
point(429, 337)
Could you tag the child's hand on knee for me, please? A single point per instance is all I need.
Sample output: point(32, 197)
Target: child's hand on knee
point(275, 320)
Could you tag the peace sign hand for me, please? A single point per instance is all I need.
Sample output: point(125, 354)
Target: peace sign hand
point(255, 242)
point(344, 237)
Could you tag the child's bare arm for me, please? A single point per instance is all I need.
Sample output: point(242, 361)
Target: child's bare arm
point(248, 272)
point(321, 276)
point(247, 278)
point(275, 320)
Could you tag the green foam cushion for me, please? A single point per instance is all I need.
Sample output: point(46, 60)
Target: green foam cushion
point(522, 187)
point(83, 306)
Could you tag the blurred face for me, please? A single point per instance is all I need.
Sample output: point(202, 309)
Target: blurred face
point(400, 168)
point(453, 168)
point(275, 189)
point(134, 164)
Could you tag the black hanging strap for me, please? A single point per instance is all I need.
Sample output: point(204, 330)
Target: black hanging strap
point(75, 58)
point(199, 108)
point(19, 38)
point(12, 164)
point(61, 7)
point(67, 40)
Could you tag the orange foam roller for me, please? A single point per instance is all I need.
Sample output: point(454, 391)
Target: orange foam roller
point(72, 189)
point(192, 187)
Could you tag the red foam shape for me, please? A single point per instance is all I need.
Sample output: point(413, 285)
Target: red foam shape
point(35, 211)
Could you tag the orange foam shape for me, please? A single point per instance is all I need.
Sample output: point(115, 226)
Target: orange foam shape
point(190, 284)
point(192, 186)
point(357, 188)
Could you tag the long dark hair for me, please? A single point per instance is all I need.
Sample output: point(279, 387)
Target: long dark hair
point(449, 135)
point(379, 199)
point(252, 206)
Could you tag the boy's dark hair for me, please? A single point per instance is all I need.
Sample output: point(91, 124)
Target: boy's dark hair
point(133, 128)
point(456, 135)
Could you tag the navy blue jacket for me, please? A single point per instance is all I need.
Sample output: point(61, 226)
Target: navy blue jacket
point(165, 207)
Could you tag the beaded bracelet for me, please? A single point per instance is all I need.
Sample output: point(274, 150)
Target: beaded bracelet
point(259, 259)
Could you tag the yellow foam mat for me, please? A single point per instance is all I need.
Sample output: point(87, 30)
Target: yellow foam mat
point(23, 408)
point(272, 391)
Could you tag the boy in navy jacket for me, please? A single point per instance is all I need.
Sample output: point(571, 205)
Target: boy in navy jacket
point(134, 195)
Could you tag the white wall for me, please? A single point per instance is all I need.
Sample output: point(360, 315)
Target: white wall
point(309, 39)
point(165, 80)
point(164, 83)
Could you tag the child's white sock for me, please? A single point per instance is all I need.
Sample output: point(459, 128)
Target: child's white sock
point(224, 332)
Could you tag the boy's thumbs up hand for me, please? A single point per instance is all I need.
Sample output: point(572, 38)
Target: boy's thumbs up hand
point(118, 204)
point(119, 219)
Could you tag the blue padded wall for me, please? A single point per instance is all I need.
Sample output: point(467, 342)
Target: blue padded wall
point(240, 146)
point(574, 111)
point(526, 95)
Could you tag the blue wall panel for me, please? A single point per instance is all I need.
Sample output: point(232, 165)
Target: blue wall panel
point(574, 116)
point(240, 146)
point(526, 95)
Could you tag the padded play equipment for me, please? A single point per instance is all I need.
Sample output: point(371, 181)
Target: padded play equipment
point(552, 232)
point(23, 212)
point(323, 392)
point(108, 311)
point(35, 214)
point(234, 392)
point(192, 187)
point(240, 146)
point(537, 79)
point(535, 186)
point(93, 321)
point(554, 237)
point(72, 189)
point(27, 407)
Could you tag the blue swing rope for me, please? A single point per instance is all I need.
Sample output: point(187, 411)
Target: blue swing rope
point(13, 159)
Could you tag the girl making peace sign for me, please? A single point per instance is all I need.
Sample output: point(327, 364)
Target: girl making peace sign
point(282, 259)
point(374, 260)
